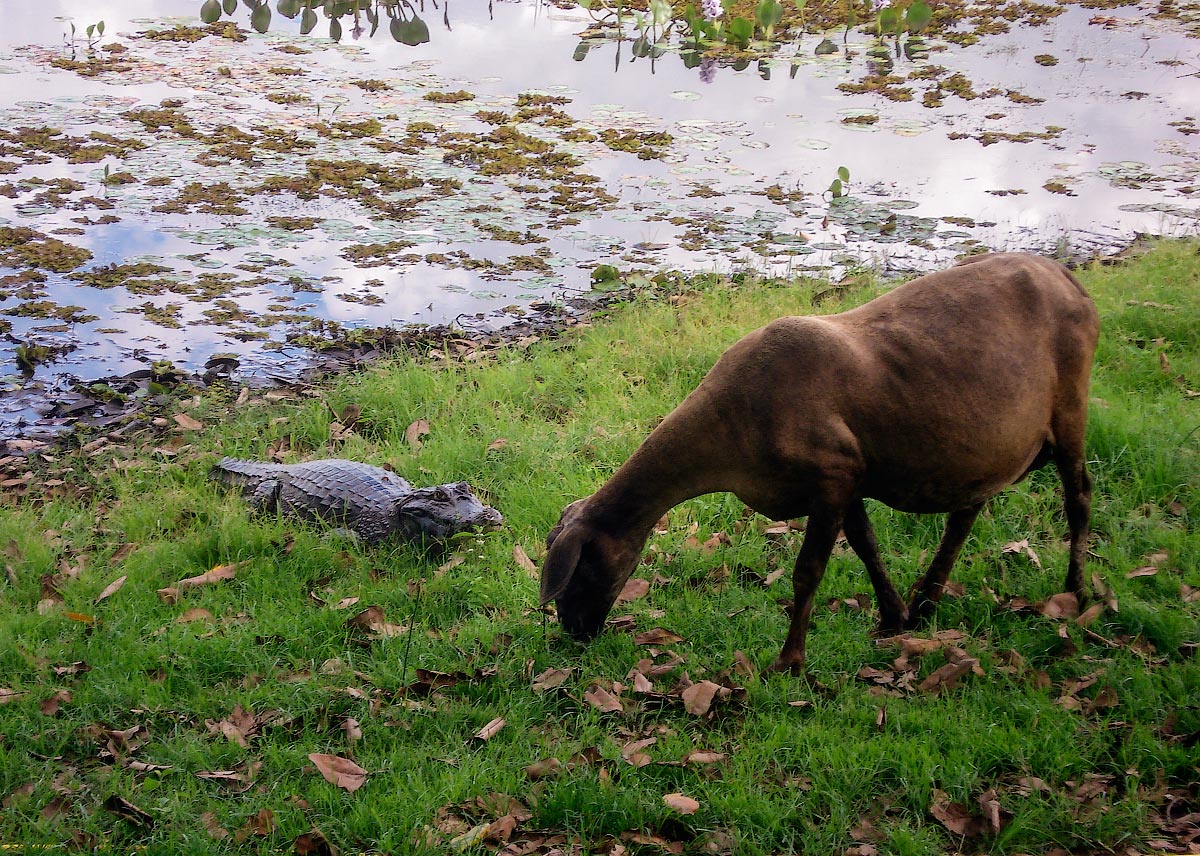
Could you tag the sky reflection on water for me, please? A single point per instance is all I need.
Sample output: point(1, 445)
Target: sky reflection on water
point(739, 141)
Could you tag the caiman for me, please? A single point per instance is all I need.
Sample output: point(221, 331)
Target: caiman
point(369, 501)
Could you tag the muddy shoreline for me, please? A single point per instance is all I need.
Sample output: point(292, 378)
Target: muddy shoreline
point(78, 411)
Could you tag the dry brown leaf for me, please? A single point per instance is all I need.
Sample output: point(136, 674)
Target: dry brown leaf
point(522, 559)
point(497, 444)
point(352, 729)
point(261, 825)
point(490, 730)
point(954, 816)
point(450, 564)
point(123, 552)
point(197, 614)
point(1062, 605)
point(374, 622)
point(8, 696)
point(698, 698)
point(601, 699)
point(213, 827)
point(49, 706)
point(701, 757)
point(948, 676)
point(111, 589)
point(1145, 571)
point(339, 771)
point(123, 808)
point(641, 684)
point(169, 595)
point(678, 802)
point(415, 431)
point(1089, 615)
point(313, 843)
point(634, 588)
point(1022, 546)
point(218, 574)
point(550, 679)
point(657, 636)
point(188, 423)
point(543, 768)
point(996, 817)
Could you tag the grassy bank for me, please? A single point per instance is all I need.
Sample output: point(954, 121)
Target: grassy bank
point(185, 722)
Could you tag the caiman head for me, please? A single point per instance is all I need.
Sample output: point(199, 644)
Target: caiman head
point(444, 510)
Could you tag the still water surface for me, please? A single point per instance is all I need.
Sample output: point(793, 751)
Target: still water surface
point(1075, 155)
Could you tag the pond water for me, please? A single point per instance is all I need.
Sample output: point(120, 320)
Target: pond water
point(170, 200)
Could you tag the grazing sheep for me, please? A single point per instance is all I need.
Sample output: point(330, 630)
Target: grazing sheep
point(933, 397)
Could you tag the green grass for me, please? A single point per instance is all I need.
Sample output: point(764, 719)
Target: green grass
point(796, 779)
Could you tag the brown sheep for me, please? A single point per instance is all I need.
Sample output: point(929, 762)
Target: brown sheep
point(933, 397)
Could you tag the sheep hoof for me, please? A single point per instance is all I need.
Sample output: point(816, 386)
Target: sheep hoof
point(790, 666)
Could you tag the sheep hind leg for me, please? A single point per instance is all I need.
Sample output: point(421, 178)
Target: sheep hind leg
point(928, 590)
point(819, 537)
point(1077, 499)
point(893, 612)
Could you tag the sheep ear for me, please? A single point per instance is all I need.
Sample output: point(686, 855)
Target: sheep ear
point(561, 560)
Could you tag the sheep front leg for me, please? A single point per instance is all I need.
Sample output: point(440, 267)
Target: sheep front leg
point(1077, 498)
point(893, 612)
point(819, 538)
point(928, 590)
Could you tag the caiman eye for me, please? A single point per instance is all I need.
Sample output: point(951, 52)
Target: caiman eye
point(441, 496)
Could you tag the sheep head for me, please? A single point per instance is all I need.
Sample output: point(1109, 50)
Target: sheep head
point(584, 570)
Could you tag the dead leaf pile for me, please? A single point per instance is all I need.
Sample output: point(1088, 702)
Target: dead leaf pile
point(901, 679)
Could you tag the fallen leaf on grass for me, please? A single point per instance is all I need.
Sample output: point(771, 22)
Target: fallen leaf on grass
point(543, 768)
point(260, 825)
point(634, 588)
point(954, 816)
point(633, 754)
point(126, 810)
point(8, 696)
point(415, 431)
point(218, 574)
point(197, 614)
point(111, 589)
point(352, 729)
point(243, 778)
point(657, 636)
point(49, 706)
point(188, 423)
point(497, 444)
point(213, 827)
point(948, 676)
point(313, 843)
point(550, 679)
point(1146, 571)
point(601, 699)
point(698, 698)
point(522, 559)
point(701, 757)
point(339, 771)
point(79, 667)
point(373, 621)
point(1089, 615)
point(490, 730)
point(1022, 547)
point(680, 803)
point(1062, 605)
